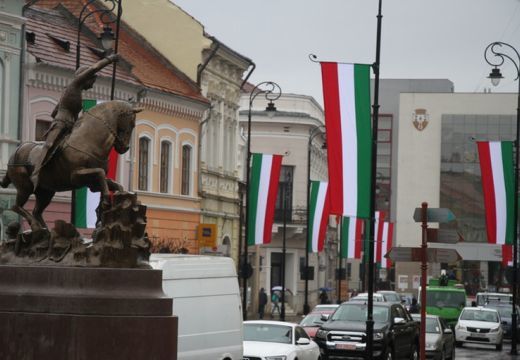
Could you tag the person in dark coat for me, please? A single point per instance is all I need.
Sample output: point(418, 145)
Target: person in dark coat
point(262, 301)
point(414, 307)
point(324, 298)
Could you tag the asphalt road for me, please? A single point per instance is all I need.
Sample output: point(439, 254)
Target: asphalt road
point(483, 352)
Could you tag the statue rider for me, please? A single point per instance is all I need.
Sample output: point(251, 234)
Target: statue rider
point(67, 111)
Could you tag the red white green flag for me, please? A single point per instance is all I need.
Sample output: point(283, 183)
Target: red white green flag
point(496, 167)
point(507, 255)
point(379, 217)
point(351, 237)
point(319, 214)
point(263, 189)
point(87, 201)
point(386, 243)
point(346, 96)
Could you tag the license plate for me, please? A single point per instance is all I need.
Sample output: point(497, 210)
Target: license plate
point(346, 346)
point(478, 335)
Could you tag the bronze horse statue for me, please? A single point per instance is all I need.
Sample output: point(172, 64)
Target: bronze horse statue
point(81, 159)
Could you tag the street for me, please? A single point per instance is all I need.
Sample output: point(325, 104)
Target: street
point(483, 352)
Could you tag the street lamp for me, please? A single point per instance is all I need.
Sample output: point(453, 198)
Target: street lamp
point(495, 76)
point(317, 130)
point(272, 92)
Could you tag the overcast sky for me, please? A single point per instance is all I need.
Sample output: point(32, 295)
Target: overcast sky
point(420, 38)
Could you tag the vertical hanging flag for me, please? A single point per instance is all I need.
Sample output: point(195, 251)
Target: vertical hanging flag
point(346, 96)
point(87, 201)
point(387, 242)
point(319, 214)
point(496, 167)
point(507, 255)
point(379, 217)
point(263, 189)
point(351, 237)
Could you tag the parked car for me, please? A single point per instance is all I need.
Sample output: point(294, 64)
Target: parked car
point(390, 296)
point(312, 321)
point(440, 340)
point(270, 340)
point(479, 325)
point(396, 334)
point(506, 316)
point(206, 299)
point(363, 297)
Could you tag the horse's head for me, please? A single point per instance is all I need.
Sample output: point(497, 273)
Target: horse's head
point(125, 126)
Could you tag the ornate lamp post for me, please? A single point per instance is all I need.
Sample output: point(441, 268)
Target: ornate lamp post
point(318, 130)
point(496, 61)
point(272, 92)
point(108, 41)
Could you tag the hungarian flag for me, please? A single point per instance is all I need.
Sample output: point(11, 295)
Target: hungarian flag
point(507, 255)
point(351, 237)
point(263, 189)
point(346, 96)
point(496, 167)
point(87, 201)
point(319, 214)
point(379, 217)
point(386, 243)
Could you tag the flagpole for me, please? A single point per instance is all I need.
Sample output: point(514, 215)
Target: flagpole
point(339, 257)
point(272, 93)
point(375, 107)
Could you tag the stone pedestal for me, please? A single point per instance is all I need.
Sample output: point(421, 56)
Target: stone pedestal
point(63, 313)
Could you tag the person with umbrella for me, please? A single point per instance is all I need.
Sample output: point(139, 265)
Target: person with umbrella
point(275, 299)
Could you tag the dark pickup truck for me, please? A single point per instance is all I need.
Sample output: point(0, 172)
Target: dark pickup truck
point(343, 335)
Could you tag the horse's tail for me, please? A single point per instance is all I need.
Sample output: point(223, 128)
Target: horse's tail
point(5, 181)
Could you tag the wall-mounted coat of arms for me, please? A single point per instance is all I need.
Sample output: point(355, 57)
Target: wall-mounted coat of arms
point(420, 119)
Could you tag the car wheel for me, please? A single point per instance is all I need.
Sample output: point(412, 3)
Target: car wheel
point(458, 343)
point(499, 347)
point(414, 354)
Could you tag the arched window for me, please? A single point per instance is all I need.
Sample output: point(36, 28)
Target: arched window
point(186, 168)
point(165, 166)
point(144, 162)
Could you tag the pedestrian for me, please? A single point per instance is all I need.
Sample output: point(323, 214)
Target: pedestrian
point(262, 301)
point(414, 307)
point(324, 298)
point(275, 299)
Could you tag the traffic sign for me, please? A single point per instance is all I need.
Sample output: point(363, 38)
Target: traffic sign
point(438, 215)
point(445, 236)
point(413, 254)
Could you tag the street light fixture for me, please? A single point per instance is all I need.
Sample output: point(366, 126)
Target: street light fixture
point(317, 130)
point(272, 92)
point(107, 39)
point(495, 76)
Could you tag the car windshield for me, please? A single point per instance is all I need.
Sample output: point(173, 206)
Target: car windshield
point(392, 297)
point(358, 312)
point(454, 299)
point(268, 333)
point(483, 299)
point(311, 320)
point(479, 315)
point(432, 325)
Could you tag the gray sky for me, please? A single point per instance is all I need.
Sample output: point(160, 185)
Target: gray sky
point(420, 38)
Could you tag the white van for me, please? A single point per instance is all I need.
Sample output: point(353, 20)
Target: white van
point(206, 300)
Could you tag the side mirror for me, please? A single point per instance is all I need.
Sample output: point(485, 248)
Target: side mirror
point(448, 331)
point(303, 341)
point(399, 321)
point(325, 317)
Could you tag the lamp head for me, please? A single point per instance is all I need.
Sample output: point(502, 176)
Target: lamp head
point(107, 38)
point(270, 107)
point(495, 75)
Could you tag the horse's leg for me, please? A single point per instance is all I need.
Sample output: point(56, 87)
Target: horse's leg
point(94, 179)
point(22, 195)
point(113, 185)
point(43, 199)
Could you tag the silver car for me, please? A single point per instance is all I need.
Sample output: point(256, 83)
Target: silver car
point(440, 340)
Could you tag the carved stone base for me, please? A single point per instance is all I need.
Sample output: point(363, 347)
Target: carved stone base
point(84, 313)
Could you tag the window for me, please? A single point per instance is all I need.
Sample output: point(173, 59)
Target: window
point(144, 161)
point(165, 166)
point(186, 166)
point(41, 129)
point(284, 191)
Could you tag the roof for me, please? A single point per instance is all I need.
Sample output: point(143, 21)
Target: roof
point(148, 66)
point(270, 322)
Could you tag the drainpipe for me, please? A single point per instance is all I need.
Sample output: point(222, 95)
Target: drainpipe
point(200, 148)
point(203, 66)
point(248, 74)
